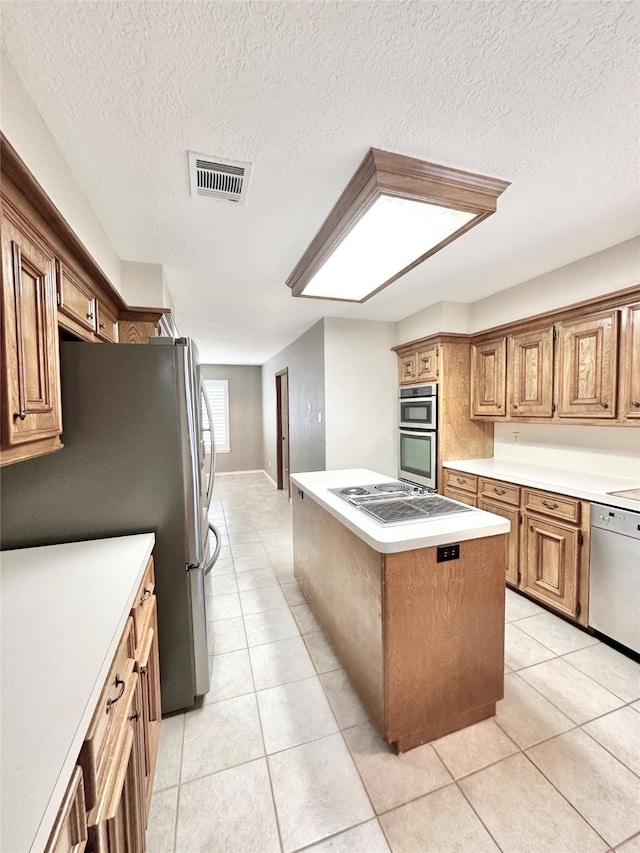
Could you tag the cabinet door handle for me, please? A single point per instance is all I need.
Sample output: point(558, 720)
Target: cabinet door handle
point(499, 491)
point(146, 595)
point(103, 326)
point(460, 480)
point(515, 405)
point(635, 404)
point(111, 702)
point(21, 415)
point(604, 405)
point(550, 504)
point(89, 316)
point(134, 716)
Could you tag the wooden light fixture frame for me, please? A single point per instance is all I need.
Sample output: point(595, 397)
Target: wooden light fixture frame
point(385, 173)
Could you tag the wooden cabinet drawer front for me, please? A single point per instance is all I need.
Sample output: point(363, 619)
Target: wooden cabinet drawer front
point(76, 300)
point(96, 750)
point(70, 830)
point(459, 495)
point(556, 506)
point(142, 605)
point(107, 327)
point(497, 491)
point(116, 821)
point(457, 480)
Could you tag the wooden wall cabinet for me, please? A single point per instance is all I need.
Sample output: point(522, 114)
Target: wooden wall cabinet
point(530, 374)
point(587, 367)
point(49, 281)
point(488, 382)
point(577, 367)
point(31, 411)
point(445, 359)
point(630, 374)
point(548, 551)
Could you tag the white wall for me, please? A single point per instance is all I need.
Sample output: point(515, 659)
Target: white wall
point(24, 128)
point(361, 378)
point(305, 360)
point(440, 317)
point(613, 451)
point(142, 284)
point(613, 269)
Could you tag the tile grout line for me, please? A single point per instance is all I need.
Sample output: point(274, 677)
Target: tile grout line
point(264, 745)
point(566, 799)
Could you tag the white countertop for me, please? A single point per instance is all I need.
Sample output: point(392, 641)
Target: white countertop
point(63, 610)
point(391, 539)
point(588, 487)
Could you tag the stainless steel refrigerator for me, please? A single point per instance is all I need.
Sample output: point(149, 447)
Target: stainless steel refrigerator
point(133, 461)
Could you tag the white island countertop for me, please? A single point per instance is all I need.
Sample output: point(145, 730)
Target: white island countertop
point(577, 484)
point(394, 538)
point(63, 610)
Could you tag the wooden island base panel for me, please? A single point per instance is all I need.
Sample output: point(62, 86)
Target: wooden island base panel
point(422, 642)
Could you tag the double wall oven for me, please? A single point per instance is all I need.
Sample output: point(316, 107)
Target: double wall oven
point(418, 425)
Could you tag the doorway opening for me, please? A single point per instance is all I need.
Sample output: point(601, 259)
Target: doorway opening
point(282, 429)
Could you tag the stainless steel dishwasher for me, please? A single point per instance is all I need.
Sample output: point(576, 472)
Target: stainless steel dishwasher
point(614, 575)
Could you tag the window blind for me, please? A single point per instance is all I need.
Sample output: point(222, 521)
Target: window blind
point(217, 391)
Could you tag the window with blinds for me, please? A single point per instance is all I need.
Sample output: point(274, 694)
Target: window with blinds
point(217, 391)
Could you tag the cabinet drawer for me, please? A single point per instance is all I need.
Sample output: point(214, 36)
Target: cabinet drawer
point(96, 750)
point(546, 503)
point(456, 480)
point(498, 491)
point(459, 495)
point(107, 325)
point(76, 301)
point(70, 830)
point(142, 605)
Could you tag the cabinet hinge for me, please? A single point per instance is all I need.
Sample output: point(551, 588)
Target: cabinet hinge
point(519, 517)
point(437, 351)
point(519, 577)
point(578, 609)
point(554, 408)
point(555, 334)
point(580, 537)
point(58, 297)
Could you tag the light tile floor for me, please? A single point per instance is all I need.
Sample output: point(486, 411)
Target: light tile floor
point(281, 756)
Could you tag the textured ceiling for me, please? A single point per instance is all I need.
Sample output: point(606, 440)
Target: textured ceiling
point(543, 94)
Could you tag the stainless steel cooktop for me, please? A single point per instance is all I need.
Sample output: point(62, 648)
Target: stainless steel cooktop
point(395, 502)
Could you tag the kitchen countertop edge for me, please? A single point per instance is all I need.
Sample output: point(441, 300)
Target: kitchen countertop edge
point(583, 485)
point(394, 539)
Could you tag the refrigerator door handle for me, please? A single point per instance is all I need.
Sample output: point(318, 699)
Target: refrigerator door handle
point(216, 550)
point(212, 462)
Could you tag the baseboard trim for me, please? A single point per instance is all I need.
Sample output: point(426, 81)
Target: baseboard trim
point(269, 477)
point(246, 471)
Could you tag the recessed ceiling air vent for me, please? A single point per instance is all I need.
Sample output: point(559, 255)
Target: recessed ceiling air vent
point(217, 178)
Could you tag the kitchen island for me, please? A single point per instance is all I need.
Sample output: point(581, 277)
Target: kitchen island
point(420, 637)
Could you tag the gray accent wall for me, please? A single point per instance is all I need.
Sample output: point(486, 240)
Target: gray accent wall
point(245, 416)
point(305, 360)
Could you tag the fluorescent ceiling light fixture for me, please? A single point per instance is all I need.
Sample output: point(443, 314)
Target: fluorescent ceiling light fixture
point(395, 212)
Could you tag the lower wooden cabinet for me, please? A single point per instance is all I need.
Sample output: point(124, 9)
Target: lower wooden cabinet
point(70, 830)
point(106, 808)
point(550, 559)
point(548, 552)
point(513, 552)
